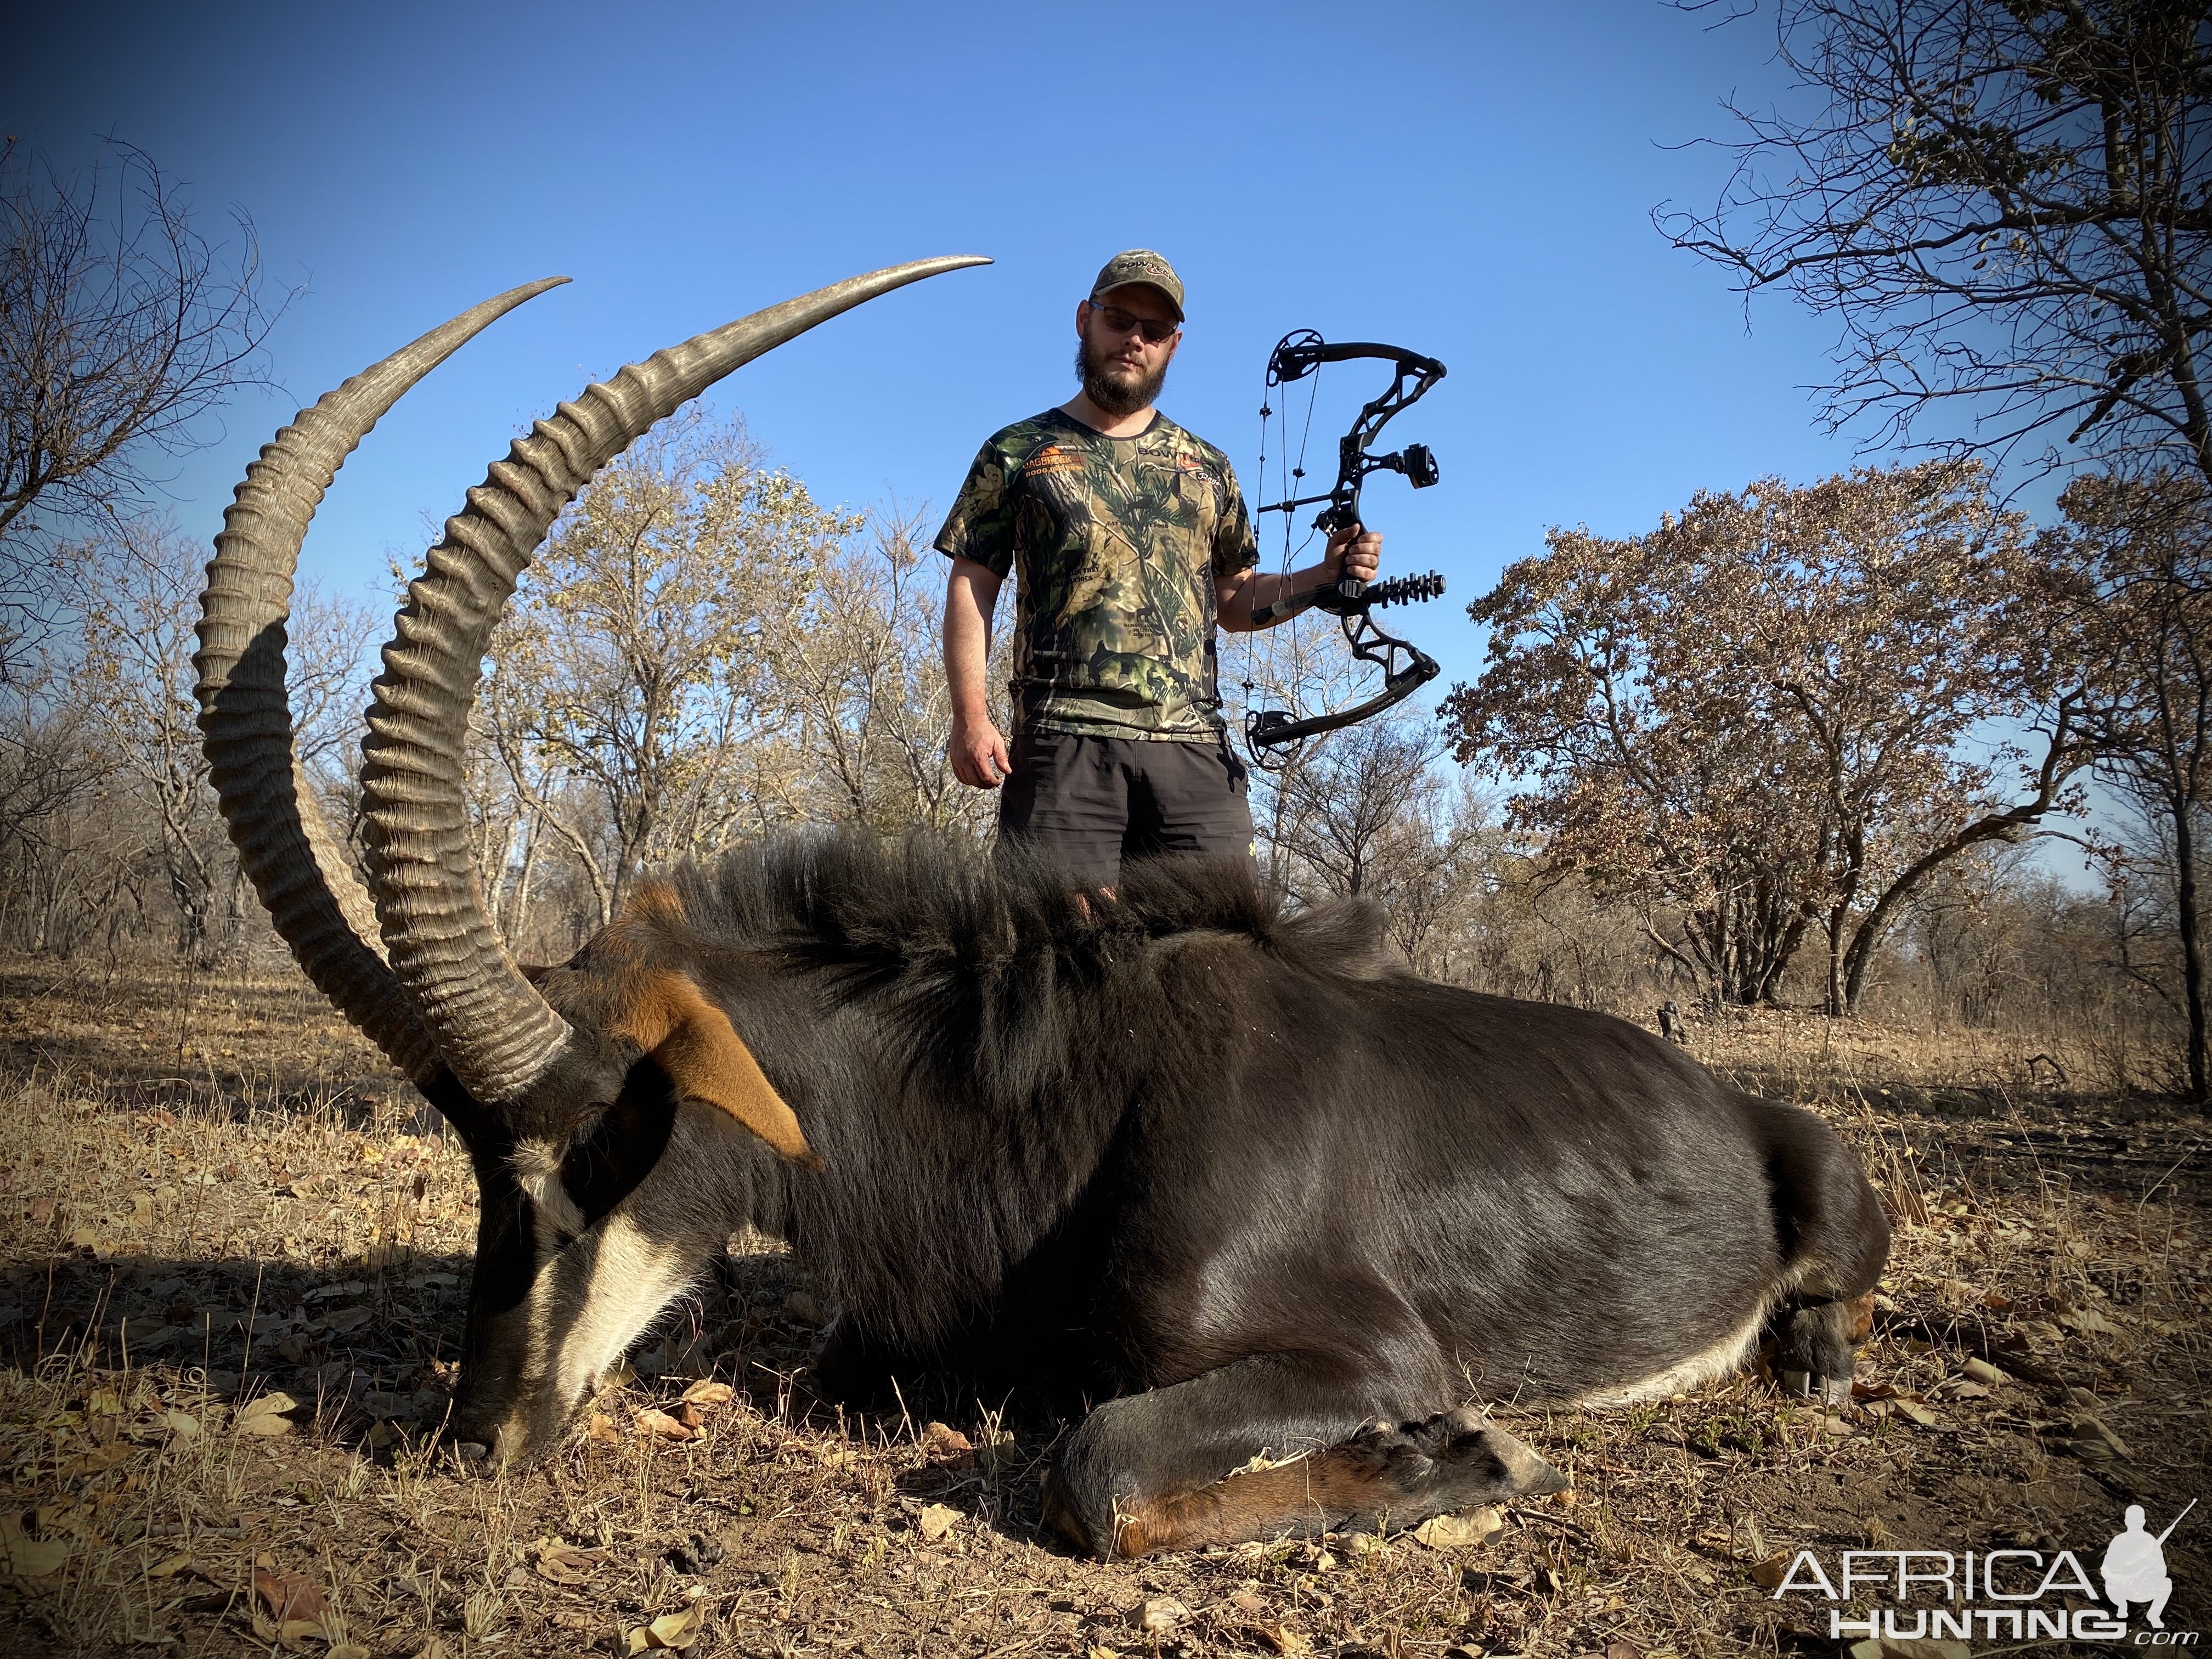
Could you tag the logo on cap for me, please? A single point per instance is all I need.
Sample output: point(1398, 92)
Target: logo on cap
point(1140, 265)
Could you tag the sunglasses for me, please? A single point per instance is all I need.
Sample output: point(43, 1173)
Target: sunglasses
point(1122, 322)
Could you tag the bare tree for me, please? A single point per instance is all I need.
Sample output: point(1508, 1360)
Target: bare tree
point(2147, 548)
point(863, 670)
point(136, 593)
point(1363, 802)
point(59, 867)
point(2006, 202)
point(120, 327)
point(1301, 665)
point(632, 699)
point(139, 592)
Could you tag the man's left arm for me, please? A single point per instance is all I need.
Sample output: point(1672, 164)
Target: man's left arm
point(1354, 552)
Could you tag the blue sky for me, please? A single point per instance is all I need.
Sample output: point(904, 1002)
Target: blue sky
point(1470, 180)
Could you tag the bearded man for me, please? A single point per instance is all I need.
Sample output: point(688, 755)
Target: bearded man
point(1130, 542)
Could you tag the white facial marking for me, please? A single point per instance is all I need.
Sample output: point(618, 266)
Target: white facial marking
point(536, 1166)
point(630, 1280)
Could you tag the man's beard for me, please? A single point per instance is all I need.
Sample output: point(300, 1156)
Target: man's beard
point(1123, 398)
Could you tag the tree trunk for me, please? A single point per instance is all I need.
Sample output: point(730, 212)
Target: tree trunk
point(2192, 945)
point(517, 905)
point(2061, 759)
point(1784, 953)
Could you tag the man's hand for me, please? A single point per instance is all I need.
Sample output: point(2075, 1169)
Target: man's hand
point(979, 754)
point(1249, 600)
point(1356, 552)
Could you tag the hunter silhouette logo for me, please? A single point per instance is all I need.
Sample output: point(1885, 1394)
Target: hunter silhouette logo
point(2134, 1568)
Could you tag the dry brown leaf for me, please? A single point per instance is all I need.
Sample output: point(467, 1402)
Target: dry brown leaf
point(22, 1559)
point(1248, 1603)
point(936, 1520)
point(943, 1440)
point(1293, 1644)
point(670, 1630)
point(660, 1423)
point(1444, 1532)
point(1770, 1573)
point(263, 1416)
point(170, 1568)
point(564, 1563)
point(97, 1461)
point(709, 1392)
point(602, 1428)
point(2095, 1428)
point(291, 1598)
point(1907, 1406)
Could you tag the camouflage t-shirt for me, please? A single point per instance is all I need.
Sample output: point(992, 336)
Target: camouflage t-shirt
point(1116, 543)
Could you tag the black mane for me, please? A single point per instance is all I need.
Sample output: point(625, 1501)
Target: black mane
point(844, 897)
point(995, 957)
point(964, 1037)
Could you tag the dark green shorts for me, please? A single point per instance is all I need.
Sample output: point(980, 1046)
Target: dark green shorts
point(1088, 803)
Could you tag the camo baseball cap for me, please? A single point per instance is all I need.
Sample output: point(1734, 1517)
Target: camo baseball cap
point(1140, 265)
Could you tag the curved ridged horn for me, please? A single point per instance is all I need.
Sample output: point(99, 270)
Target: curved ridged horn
point(495, 1030)
point(246, 713)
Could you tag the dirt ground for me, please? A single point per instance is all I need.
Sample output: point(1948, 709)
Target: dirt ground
point(234, 1255)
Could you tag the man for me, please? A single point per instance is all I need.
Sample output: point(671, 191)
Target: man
point(1129, 540)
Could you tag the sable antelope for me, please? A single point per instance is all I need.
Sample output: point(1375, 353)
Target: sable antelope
point(1231, 1171)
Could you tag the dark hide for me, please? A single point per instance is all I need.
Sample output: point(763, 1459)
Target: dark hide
point(1235, 1165)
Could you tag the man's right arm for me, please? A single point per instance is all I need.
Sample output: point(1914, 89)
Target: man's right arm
point(979, 753)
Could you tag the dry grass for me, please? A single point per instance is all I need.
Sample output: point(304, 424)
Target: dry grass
point(214, 1193)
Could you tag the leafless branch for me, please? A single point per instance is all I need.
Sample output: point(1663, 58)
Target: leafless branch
point(2005, 206)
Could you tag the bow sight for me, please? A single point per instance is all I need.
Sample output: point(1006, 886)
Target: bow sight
point(1405, 668)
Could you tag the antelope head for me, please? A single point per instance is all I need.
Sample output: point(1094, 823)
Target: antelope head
point(598, 1100)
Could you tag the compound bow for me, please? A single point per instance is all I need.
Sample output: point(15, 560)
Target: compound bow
point(1405, 668)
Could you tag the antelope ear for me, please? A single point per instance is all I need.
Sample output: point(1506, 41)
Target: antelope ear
point(694, 1043)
